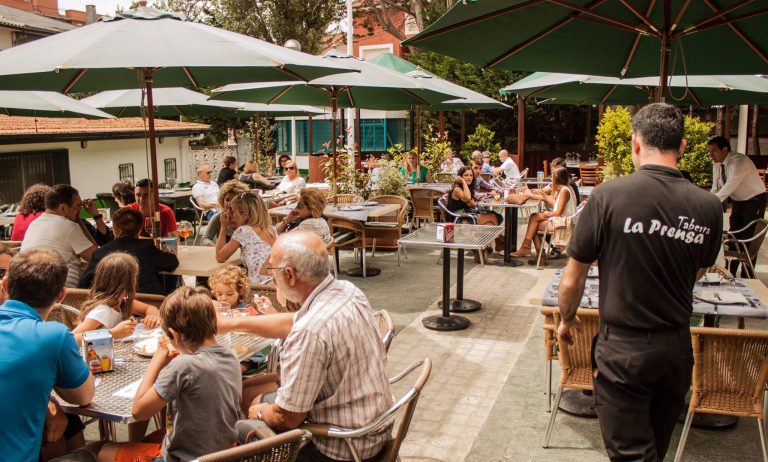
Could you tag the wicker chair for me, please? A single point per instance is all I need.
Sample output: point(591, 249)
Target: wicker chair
point(347, 234)
point(575, 360)
point(76, 297)
point(346, 199)
point(279, 448)
point(545, 165)
point(745, 250)
point(730, 370)
point(443, 177)
point(13, 245)
point(589, 175)
point(388, 227)
point(422, 201)
point(550, 349)
point(64, 314)
point(407, 403)
point(386, 328)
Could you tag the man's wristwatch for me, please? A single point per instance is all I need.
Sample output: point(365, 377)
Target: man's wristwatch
point(98, 217)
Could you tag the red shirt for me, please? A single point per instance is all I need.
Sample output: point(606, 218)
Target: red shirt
point(167, 220)
point(21, 224)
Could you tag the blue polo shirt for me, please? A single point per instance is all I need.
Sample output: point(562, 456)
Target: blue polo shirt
point(35, 356)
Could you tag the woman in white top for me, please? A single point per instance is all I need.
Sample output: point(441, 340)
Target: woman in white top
point(291, 183)
point(254, 234)
point(563, 202)
point(450, 164)
point(111, 301)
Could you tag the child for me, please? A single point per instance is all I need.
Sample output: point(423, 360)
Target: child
point(111, 301)
point(199, 382)
point(254, 235)
point(230, 284)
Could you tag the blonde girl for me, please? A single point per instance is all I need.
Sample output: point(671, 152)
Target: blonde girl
point(230, 284)
point(254, 234)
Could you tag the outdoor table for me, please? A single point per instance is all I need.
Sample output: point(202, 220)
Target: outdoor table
point(362, 215)
point(442, 188)
point(111, 409)
point(466, 237)
point(175, 193)
point(585, 191)
point(544, 293)
point(583, 163)
point(539, 182)
point(510, 226)
point(200, 261)
point(6, 220)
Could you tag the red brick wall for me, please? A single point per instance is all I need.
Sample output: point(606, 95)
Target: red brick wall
point(44, 7)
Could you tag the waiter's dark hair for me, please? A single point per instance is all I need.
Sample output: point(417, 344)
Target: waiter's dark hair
point(60, 194)
point(661, 125)
point(721, 142)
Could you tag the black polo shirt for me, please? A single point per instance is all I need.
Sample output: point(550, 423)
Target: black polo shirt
point(650, 231)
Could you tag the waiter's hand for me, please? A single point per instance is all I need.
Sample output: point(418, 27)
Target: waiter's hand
point(564, 330)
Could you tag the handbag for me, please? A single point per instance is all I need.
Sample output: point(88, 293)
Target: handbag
point(517, 199)
point(563, 227)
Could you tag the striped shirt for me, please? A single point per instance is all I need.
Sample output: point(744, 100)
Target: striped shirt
point(333, 367)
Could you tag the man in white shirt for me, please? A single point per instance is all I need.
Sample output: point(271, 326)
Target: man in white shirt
point(734, 176)
point(59, 229)
point(508, 166)
point(206, 191)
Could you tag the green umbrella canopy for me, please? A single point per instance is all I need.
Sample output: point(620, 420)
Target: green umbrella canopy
point(46, 104)
point(373, 87)
point(184, 102)
point(106, 56)
point(472, 99)
point(605, 37)
point(589, 89)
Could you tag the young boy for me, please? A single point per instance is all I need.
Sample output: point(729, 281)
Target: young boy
point(200, 383)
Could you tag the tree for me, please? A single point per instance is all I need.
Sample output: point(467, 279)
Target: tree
point(382, 10)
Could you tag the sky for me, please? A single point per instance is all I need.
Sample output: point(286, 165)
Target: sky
point(102, 6)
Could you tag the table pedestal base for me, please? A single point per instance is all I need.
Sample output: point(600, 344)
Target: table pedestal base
point(575, 402)
point(358, 272)
point(511, 262)
point(445, 323)
point(462, 305)
point(708, 421)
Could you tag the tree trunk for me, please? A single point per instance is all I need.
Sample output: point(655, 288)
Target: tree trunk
point(588, 128)
point(755, 134)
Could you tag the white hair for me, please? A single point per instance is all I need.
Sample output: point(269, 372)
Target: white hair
point(305, 253)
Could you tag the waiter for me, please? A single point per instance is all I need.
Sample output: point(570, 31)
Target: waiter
point(653, 234)
point(734, 176)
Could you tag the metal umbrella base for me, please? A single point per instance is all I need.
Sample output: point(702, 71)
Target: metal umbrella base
point(458, 305)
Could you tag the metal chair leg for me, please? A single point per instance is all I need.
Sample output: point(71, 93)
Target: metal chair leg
point(373, 248)
point(541, 250)
point(552, 417)
point(362, 249)
point(761, 427)
point(398, 253)
point(684, 436)
point(548, 373)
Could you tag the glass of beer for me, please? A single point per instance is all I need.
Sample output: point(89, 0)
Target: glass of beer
point(185, 231)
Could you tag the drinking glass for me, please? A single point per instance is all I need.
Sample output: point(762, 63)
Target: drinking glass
point(148, 225)
point(185, 231)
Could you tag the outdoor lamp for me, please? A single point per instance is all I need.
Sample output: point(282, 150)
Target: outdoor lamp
point(293, 44)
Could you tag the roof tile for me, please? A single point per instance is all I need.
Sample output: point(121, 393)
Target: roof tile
point(49, 125)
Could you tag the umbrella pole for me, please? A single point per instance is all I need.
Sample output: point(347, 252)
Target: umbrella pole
point(520, 130)
point(418, 144)
point(665, 51)
point(257, 129)
point(333, 142)
point(155, 202)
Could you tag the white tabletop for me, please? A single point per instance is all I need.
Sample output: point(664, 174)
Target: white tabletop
point(6, 220)
point(200, 261)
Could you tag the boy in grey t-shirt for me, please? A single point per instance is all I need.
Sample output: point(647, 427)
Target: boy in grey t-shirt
point(201, 387)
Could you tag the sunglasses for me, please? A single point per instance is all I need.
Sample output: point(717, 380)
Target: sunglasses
point(299, 206)
point(209, 172)
point(290, 168)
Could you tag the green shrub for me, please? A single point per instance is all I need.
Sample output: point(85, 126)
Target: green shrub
point(481, 140)
point(433, 149)
point(390, 182)
point(696, 160)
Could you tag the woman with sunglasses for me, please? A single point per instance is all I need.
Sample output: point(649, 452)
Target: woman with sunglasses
point(307, 215)
point(291, 183)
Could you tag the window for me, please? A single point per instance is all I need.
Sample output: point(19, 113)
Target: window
point(283, 136)
point(302, 136)
point(371, 51)
point(170, 169)
point(20, 170)
point(125, 172)
point(373, 135)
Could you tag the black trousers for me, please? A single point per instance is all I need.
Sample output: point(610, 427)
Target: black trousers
point(742, 214)
point(640, 389)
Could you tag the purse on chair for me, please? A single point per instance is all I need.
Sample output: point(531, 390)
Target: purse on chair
point(563, 227)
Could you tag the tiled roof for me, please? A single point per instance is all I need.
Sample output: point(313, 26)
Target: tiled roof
point(25, 20)
point(49, 125)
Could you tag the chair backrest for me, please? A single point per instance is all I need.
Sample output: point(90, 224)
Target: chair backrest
point(588, 175)
point(761, 227)
point(76, 297)
point(64, 314)
point(576, 359)
point(550, 330)
point(545, 163)
point(730, 362)
point(400, 216)
point(421, 200)
point(448, 215)
point(150, 299)
point(337, 223)
point(386, 327)
point(346, 199)
point(401, 428)
point(280, 448)
point(194, 204)
point(443, 177)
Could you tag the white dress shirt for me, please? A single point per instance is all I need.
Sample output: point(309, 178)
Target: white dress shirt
point(510, 169)
point(207, 190)
point(742, 182)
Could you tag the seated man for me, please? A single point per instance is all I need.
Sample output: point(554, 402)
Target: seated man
point(127, 224)
point(60, 229)
point(206, 191)
point(37, 356)
point(508, 166)
point(332, 364)
point(143, 198)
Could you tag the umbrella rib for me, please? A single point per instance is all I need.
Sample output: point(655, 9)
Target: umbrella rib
point(291, 73)
point(718, 13)
point(752, 45)
point(540, 35)
point(188, 73)
point(415, 96)
point(632, 52)
point(120, 114)
point(588, 11)
point(694, 97)
point(351, 98)
point(680, 14)
point(72, 82)
point(279, 94)
point(541, 90)
point(643, 17)
point(608, 94)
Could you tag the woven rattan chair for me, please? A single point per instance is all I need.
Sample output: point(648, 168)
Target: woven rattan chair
point(11, 244)
point(745, 250)
point(575, 360)
point(407, 403)
point(347, 234)
point(443, 177)
point(76, 297)
point(386, 327)
point(64, 314)
point(389, 226)
point(550, 349)
point(346, 199)
point(279, 448)
point(422, 201)
point(730, 369)
point(589, 175)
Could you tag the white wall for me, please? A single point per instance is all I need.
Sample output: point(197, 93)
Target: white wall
point(6, 39)
point(95, 169)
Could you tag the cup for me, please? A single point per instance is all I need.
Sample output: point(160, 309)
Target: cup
point(539, 175)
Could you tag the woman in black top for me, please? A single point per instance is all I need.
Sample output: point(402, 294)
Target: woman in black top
point(461, 198)
point(228, 172)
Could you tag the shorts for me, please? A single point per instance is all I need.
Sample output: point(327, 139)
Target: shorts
point(139, 452)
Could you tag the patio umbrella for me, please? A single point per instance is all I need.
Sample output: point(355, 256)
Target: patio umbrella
point(46, 104)
point(605, 37)
point(374, 87)
point(177, 101)
point(589, 89)
point(145, 48)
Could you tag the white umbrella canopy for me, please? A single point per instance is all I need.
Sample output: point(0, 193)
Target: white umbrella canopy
point(179, 101)
point(46, 104)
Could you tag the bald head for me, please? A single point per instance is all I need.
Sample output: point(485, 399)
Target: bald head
point(204, 172)
point(503, 155)
point(304, 252)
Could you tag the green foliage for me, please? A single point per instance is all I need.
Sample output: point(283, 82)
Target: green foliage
point(614, 141)
point(397, 154)
point(433, 149)
point(390, 181)
point(695, 159)
point(481, 140)
point(349, 180)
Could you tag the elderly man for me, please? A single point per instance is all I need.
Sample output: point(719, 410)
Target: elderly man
point(143, 198)
point(206, 191)
point(508, 166)
point(668, 231)
point(37, 356)
point(332, 367)
point(60, 229)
